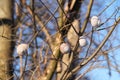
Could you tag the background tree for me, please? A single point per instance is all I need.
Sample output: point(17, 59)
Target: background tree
point(44, 25)
point(6, 39)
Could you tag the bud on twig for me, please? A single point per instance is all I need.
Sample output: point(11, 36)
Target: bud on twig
point(95, 21)
point(64, 48)
point(82, 41)
point(21, 48)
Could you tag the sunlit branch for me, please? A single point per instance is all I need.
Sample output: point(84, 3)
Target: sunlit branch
point(103, 42)
point(87, 16)
point(41, 24)
point(96, 51)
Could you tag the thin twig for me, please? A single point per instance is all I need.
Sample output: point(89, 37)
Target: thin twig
point(96, 51)
point(41, 24)
point(87, 16)
point(66, 17)
point(106, 7)
point(100, 46)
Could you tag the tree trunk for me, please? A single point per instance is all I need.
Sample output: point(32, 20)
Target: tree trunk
point(6, 44)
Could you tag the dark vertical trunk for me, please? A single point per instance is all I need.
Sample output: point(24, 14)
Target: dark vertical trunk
point(6, 44)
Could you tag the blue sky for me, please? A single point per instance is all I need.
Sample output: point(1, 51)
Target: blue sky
point(102, 74)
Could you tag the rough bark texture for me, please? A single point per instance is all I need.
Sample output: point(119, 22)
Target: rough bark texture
point(71, 31)
point(5, 39)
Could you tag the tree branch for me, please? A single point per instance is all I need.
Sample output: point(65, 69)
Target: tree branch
point(41, 24)
point(97, 50)
point(87, 16)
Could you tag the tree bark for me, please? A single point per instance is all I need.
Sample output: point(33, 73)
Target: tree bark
point(6, 44)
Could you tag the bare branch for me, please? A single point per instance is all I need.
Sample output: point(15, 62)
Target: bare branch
point(97, 50)
point(87, 16)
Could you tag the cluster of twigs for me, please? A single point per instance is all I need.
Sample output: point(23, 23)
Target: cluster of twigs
point(43, 25)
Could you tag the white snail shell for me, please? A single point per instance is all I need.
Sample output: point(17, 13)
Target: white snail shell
point(82, 41)
point(95, 21)
point(64, 48)
point(21, 47)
